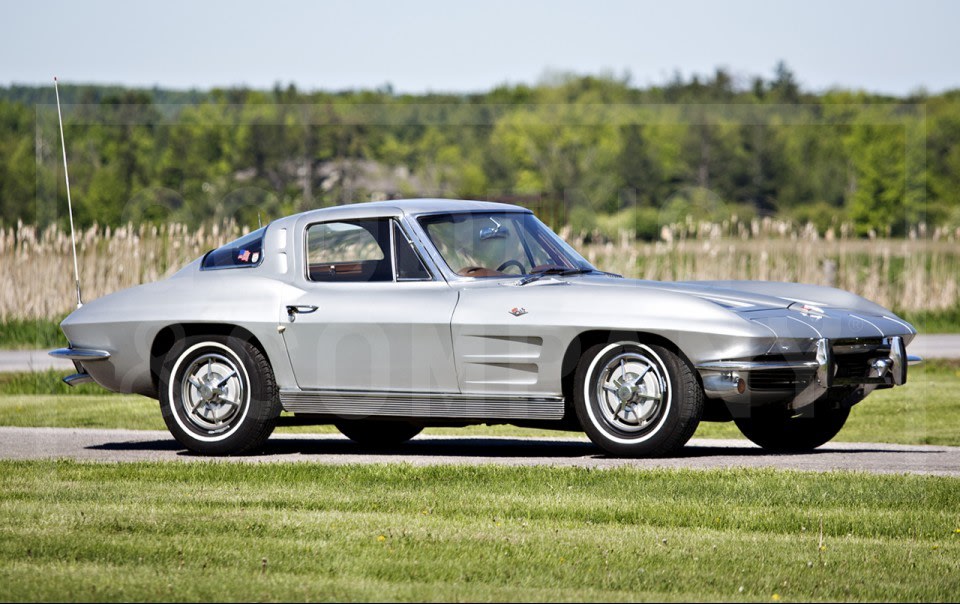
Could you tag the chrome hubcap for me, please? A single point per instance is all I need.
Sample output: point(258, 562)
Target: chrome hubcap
point(212, 392)
point(631, 390)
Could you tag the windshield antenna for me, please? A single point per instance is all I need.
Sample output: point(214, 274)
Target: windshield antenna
point(73, 236)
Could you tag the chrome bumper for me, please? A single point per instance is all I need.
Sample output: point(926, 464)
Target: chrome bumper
point(79, 356)
point(725, 379)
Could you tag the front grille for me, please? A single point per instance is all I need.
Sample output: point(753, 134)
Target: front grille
point(854, 365)
point(852, 359)
point(779, 379)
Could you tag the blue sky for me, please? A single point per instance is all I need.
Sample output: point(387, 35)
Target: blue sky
point(432, 45)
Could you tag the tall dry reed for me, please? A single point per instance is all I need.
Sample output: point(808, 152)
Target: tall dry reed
point(921, 273)
point(36, 266)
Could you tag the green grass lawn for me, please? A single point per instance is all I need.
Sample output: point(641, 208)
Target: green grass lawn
point(214, 531)
point(237, 532)
point(925, 411)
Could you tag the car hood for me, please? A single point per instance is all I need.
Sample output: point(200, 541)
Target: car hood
point(787, 309)
point(747, 296)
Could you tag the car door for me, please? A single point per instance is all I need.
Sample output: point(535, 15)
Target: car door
point(372, 317)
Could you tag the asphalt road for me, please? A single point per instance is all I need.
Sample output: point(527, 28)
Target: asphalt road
point(933, 346)
point(133, 446)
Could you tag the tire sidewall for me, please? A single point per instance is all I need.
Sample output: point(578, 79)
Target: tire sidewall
point(664, 437)
point(589, 395)
point(174, 400)
point(242, 430)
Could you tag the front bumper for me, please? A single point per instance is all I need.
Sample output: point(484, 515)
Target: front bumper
point(79, 356)
point(866, 363)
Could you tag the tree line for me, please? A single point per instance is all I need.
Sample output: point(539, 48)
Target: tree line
point(580, 149)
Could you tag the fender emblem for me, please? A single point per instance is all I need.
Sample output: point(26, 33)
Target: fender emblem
point(518, 311)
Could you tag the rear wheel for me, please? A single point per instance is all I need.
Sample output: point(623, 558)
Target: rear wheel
point(218, 395)
point(378, 433)
point(777, 429)
point(637, 400)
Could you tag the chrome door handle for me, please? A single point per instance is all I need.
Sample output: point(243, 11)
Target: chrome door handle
point(304, 309)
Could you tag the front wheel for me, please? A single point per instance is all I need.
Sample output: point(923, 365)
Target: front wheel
point(637, 400)
point(218, 395)
point(775, 428)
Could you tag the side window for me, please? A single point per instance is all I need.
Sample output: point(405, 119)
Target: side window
point(409, 265)
point(349, 251)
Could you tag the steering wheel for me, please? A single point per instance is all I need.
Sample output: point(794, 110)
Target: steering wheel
point(507, 263)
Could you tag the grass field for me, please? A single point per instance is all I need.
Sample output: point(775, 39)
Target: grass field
point(210, 531)
point(236, 532)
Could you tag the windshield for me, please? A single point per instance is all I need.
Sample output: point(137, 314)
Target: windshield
point(500, 244)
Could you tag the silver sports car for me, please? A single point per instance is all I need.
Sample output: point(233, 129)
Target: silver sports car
point(385, 318)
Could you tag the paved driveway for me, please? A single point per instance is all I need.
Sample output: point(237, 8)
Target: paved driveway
point(124, 446)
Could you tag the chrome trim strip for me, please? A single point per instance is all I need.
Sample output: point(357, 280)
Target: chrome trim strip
point(913, 359)
point(80, 354)
point(393, 249)
point(422, 404)
point(755, 365)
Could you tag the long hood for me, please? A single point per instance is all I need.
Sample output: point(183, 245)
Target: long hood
point(798, 309)
point(752, 296)
point(727, 296)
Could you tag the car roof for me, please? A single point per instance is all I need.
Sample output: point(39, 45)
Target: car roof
point(411, 207)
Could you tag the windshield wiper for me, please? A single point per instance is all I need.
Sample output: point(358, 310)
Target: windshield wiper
point(553, 270)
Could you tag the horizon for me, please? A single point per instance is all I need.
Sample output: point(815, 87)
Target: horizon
point(428, 47)
point(740, 85)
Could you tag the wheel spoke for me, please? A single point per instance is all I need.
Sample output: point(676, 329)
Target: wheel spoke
point(611, 407)
point(610, 388)
point(653, 397)
point(226, 379)
point(637, 379)
point(193, 382)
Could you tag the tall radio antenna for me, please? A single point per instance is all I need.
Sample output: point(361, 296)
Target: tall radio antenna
point(73, 236)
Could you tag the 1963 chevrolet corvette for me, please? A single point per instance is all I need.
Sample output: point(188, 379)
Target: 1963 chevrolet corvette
point(385, 318)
